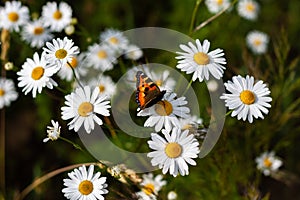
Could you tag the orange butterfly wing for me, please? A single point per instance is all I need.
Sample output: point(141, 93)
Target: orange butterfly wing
point(148, 93)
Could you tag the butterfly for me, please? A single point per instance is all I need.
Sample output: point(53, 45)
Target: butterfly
point(148, 93)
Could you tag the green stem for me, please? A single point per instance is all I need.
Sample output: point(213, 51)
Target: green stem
point(194, 16)
point(75, 77)
point(73, 144)
point(228, 113)
point(61, 90)
point(188, 87)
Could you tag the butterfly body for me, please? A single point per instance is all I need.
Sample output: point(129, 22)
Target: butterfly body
point(148, 93)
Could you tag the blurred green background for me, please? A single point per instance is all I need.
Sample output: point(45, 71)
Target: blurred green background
point(229, 171)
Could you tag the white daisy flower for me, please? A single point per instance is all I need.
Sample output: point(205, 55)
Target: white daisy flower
point(7, 92)
point(166, 113)
point(248, 9)
point(56, 17)
point(172, 195)
point(268, 163)
point(215, 6)
point(247, 99)
point(100, 57)
point(66, 71)
point(82, 107)
point(36, 74)
point(36, 34)
point(173, 152)
point(53, 131)
point(200, 62)
point(60, 51)
point(133, 52)
point(115, 39)
point(84, 184)
point(150, 186)
point(257, 41)
point(105, 85)
point(13, 15)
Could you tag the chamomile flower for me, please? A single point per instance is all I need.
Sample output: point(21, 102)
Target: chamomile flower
point(53, 131)
point(36, 34)
point(200, 62)
point(166, 113)
point(84, 184)
point(82, 107)
point(100, 57)
point(13, 15)
point(105, 85)
point(215, 6)
point(257, 41)
point(60, 51)
point(248, 9)
point(268, 163)
point(115, 39)
point(36, 74)
point(133, 52)
point(174, 151)
point(151, 186)
point(66, 71)
point(56, 17)
point(172, 195)
point(192, 122)
point(7, 92)
point(246, 98)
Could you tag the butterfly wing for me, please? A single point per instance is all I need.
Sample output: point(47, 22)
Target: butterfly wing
point(148, 93)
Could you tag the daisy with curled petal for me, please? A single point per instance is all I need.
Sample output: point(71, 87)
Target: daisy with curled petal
point(215, 6)
point(82, 107)
point(36, 74)
point(56, 17)
point(7, 92)
point(53, 131)
point(257, 41)
point(13, 15)
point(105, 85)
point(166, 113)
point(84, 184)
point(247, 99)
point(36, 34)
point(60, 51)
point(174, 151)
point(248, 9)
point(268, 163)
point(100, 57)
point(115, 39)
point(66, 71)
point(197, 60)
point(150, 186)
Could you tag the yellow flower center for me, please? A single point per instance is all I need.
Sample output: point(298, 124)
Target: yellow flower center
point(73, 63)
point(13, 16)
point(250, 7)
point(37, 73)
point(101, 88)
point(267, 162)
point(61, 53)
point(219, 2)
point(148, 189)
point(113, 40)
point(158, 82)
point(163, 108)
point(57, 15)
point(2, 92)
point(102, 54)
point(201, 58)
point(257, 42)
point(86, 187)
point(247, 97)
point(173, 150)
point(85, 108)
point(38, 30)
